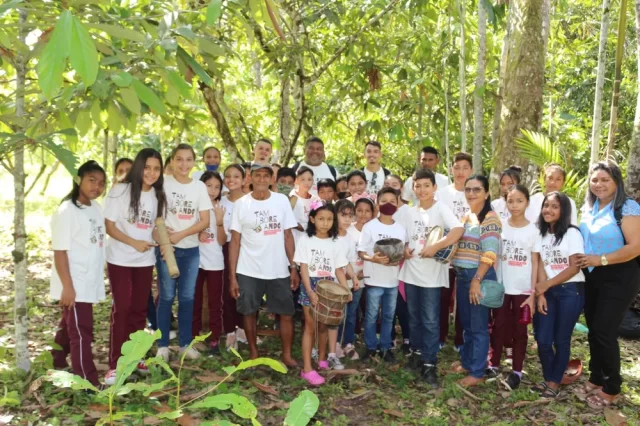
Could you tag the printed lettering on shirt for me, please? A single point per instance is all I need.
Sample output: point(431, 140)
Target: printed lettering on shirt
point(144, 219)
point(514, 255)
point(420, 231)
point(182, 208)
point(210, 237)
point(552, 257)
point(97, 233)
point(320, 263)
point(460, 209)
point(382, 236)
point(267, 223)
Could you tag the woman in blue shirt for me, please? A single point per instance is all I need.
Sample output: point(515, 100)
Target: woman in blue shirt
point(609, 226)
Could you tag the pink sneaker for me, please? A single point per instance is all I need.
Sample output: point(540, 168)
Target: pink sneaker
point(312, 377)
point(323, 365)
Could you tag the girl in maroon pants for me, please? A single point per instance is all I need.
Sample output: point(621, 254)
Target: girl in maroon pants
point(77, 278)
point(211, 270)
point(519, 269)
point(130, 211)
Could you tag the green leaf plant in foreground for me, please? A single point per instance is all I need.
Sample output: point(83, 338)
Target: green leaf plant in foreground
point(302, 409)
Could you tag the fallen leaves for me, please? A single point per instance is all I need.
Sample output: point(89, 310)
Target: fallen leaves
point(394, 413)
point(265, 388)
point(212, 377)
point(276, 404)
point(615, 418)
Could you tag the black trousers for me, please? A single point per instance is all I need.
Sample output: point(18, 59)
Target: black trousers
point(609, 291)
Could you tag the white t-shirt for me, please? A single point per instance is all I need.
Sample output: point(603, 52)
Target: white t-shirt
point(517, 248)
point(116, 209)
point(319, 172)
point(408, 195)
point(356, 263)
point(373, 231)
point(500, 207)
point(321, 255)
point(184, 204)
point(535, 207)
point(261, 224)
point(398, 216)
point(228, 206)
point(301, 212)
point(350, 244)
point(377, 185)
point(211, 256)
point(556, 258)
point(454, 199)
point(418, 223)
point(81, 233)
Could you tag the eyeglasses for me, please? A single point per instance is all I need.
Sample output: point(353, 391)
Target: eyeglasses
point(476, 190)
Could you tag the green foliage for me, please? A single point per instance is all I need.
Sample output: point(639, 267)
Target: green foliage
point(538, 148)
point(214, 10)
point(302, 409)
point(240, 405)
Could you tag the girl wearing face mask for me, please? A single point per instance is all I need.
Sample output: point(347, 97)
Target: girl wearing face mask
point(474, 261)
point(211, 158)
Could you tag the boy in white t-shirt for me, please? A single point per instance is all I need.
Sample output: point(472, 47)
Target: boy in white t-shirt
point(423, 276)
point(380, 275)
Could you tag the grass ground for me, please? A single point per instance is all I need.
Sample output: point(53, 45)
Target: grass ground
point(375, 395)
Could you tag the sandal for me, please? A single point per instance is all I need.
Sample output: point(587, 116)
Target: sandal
point(586, 389)
point(539, 388)
point(312, 377)
point(550, 393)
point(599, 401)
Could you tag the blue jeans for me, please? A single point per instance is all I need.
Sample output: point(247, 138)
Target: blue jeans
point(347, 330)
point(553, 330)
point(424, 321)
point(188, 261)
point(475, 324)
point(376, 297)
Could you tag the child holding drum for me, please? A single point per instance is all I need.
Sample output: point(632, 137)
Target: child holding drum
point(322, 257)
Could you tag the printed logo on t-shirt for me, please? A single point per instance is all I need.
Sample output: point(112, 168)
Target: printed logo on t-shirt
point(182, 208)
point(267, 223)
point(460, 209)
point(552, 257)
point(514, 255)
point(96, 233)
point(382, 236)
point(208, 235)
point(320, 263)
point(144, 220)
point(420, 232)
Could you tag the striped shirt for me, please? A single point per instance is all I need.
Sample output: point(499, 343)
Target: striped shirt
point(480, 243)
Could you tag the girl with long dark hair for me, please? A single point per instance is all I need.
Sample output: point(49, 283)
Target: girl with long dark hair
point(77, 277)
point(130, 211)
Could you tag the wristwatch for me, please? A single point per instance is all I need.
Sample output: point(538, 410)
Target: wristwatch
point(603, 260)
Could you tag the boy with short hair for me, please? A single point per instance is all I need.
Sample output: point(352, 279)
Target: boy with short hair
point(381, 276)
point(327, 190)
point(286, 180)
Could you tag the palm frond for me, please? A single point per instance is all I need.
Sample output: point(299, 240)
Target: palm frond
point(538, 148)
point(575, 186)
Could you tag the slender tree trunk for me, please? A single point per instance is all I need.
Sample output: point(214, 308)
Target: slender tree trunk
point(598, 101)
point(478, 94)
point(633, 162)
point(503, 67)
point(105, 150)
point(523, 80)
point(215, 102)
point(113, 150)
point(613, 121)
point(445, 72)
point(19, 230)
point(462, 79)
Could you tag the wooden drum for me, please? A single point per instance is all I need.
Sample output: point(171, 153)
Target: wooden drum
point(332, 298)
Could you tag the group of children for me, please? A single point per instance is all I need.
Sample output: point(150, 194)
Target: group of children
point(529, 243)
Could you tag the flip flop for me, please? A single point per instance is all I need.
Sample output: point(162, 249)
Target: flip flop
point(539, 388)
point(598, 402)
point(587, 388)
point(550, 393)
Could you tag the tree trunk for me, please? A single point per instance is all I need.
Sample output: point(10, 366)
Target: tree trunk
point(214, 98)
point(597, 103)
point(19, 231)
point(633, 162)
point(613, 121)
point(478, 97)
point(523, 81)
point(113, 151)
point(461, 77)
point(105, 150)
point(495, 134)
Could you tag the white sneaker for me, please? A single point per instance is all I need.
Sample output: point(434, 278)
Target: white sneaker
point(241, 335)
point(232, 342)
point(314, 354)
point(339, 351)
point(189, 352)
point(350, 352)
point(110, 378)
point(164, 354)
point(334, 363)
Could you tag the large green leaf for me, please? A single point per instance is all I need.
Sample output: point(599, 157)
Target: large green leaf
point(239, 405)
point(130, 100)
point(83, 54)
point(133, 350)
point(67, 158)
point(83, 122)
point(272, 363)
point(115, 119)
point(302, 409)
point(64, 379)
point(53, 59)
point(195, 66)
point(214, 10)
point(538, 148)
point(148, 96)
point(9, 5)
point(122, 79)
point(176, 80)
point(119, 32)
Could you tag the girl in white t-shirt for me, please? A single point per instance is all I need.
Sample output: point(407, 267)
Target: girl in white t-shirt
point(211, 270)
point(301, 199)
point(77, 277)
point(357, 186)
point(559, 287)
point(508, 178)
point(234, 176)
point(131, 209)
point(211, 159)
point(321, 256)
point(519, 271)
point(554, 179)
point(188, 207)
